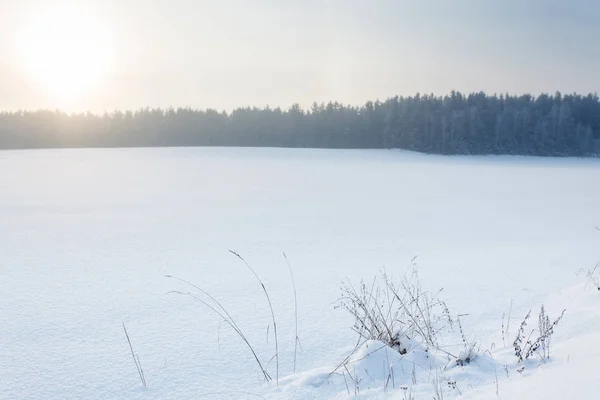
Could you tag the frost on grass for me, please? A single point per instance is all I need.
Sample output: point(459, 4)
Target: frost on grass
point(404, 316)
point(373, 366)
point(536, 342)
point(592, 275)
point(431, 353)
point(408, 342)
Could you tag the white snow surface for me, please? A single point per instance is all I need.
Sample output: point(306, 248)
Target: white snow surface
point(88, 235)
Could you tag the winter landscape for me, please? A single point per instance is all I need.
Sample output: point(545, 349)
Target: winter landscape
point(89, 235)
point(316, 199)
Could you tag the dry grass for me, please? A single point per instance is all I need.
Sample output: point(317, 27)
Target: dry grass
point(395, 313)
point(592, 275)
point(296, 338)
point(217, 307)
point(525, 347)
point(272, 313)
point(402, 314)
point(136, 358)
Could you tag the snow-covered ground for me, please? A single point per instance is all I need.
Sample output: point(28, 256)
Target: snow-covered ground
point(87, 236)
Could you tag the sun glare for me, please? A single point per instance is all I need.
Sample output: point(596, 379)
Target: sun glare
point(66, 52)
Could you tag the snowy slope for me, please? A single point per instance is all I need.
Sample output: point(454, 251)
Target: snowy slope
point(86, 237)
point(570, 371)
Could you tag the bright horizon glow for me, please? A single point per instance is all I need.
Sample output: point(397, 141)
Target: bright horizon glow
point(65, 52)
point(105, 55)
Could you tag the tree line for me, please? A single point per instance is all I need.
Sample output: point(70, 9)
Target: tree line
point(475, 123)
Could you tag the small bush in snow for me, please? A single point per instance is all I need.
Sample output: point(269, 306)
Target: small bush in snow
point(469, 352)
point(402, 315)
point(525, 347)
point(396, 314)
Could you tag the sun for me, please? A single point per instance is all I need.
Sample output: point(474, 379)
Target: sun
point(66, 51)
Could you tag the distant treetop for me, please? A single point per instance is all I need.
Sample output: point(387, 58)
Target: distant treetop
point(477, 123)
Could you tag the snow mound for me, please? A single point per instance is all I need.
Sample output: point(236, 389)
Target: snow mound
point(375, 370)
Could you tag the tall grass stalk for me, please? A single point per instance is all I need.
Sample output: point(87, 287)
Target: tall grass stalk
point(272, 313)
point(296, 339)
point(136, 358)
point(220, 310)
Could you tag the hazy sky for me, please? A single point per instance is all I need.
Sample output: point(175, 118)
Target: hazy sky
point(228, 53)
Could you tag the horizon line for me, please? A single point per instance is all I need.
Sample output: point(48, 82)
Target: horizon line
point(534, 96)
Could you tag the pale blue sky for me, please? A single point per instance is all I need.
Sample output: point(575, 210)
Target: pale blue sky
point(229, 53)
